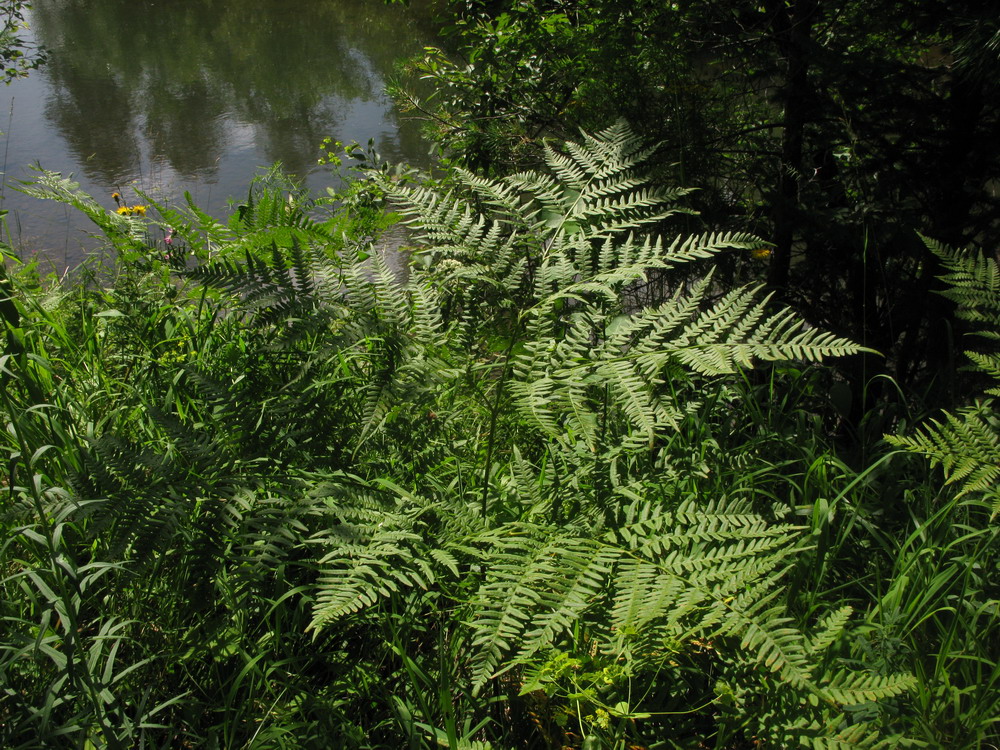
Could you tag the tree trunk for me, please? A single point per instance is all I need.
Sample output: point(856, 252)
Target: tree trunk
point(791, 27)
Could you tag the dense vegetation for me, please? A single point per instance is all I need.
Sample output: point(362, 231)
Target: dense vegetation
point(588, 470)
point(835, 130)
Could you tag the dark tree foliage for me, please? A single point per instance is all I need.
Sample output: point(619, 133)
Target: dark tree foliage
point(17, 55)
point(839, 131)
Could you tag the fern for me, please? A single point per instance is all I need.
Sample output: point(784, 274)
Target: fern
point(966, 444)
point(573, 544)
point(125, 232)
point(487, 453)
point(562, 250)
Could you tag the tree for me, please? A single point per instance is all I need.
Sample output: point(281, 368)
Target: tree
point(18, 55)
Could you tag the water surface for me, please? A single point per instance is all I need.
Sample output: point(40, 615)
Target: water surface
point(197, 95)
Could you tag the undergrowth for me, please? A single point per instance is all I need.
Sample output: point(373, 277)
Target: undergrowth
point(547, 485)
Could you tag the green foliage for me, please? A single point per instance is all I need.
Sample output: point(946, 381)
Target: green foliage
point(833, 130)
point(529, 490)
point(146, 410)
point(18, 56)
point(966, 444)
point(492, 100)
point(597, 556)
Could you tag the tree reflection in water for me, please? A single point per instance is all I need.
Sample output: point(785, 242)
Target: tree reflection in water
point(198, 95)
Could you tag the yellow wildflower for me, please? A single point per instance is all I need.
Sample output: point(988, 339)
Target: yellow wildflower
point(141, 210)
point(123, 210)
point(761, 253)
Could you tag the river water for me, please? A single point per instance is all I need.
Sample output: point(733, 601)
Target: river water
point(197, 95)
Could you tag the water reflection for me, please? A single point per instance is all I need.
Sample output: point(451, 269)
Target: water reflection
point(183, 95)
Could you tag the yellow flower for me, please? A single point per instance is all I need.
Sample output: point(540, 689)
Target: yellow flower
point(141, 210)
point(124, 210)
point(761, 253)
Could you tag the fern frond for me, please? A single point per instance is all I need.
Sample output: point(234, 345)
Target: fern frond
point(502, 197)
point(686, 249)
point(988, 364)
point(829, 630)
point(356, 576)
point(534, 565)
point(766, 634)
point(289, 285)
point(857, 688)
point(966, 445)
point(117, 227)
point(973, 283)
point(564, 604)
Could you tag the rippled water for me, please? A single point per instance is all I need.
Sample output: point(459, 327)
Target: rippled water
point(197, 96)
